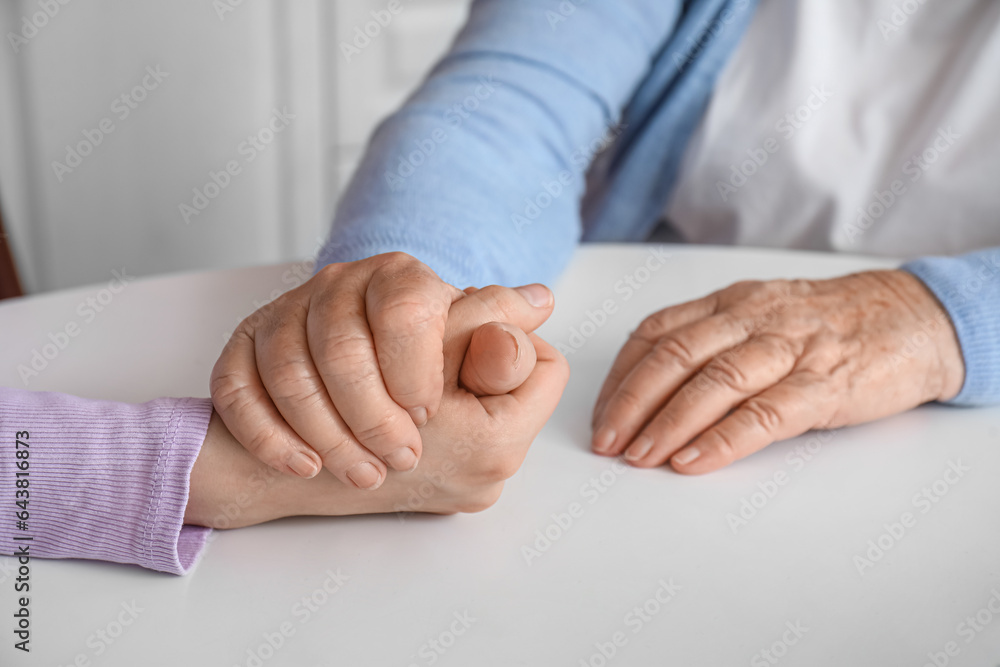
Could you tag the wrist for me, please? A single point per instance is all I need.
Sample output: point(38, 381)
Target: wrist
point(229, 488)
point(934, 328)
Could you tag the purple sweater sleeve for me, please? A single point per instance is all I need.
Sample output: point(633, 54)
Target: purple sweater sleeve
point(106, 481)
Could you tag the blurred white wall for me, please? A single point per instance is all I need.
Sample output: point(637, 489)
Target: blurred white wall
point(161, 95)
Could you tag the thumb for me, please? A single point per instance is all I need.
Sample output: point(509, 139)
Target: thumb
point(499, 359)
point(516, 307)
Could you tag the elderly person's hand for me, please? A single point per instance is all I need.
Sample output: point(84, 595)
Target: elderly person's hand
point(474, 442)
point(710, 381)
point(342, 371)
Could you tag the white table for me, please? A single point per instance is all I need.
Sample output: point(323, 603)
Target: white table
point(636, 535)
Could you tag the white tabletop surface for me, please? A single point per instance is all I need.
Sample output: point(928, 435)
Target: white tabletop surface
point(459, 590)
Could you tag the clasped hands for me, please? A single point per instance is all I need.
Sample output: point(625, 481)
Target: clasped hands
point(389, 378)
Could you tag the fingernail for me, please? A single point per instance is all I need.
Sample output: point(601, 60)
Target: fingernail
point(364, 475)
point(603, 439)
point(403, 459)
point(685, 456)
point(302, 465)
point(639, 448)
point(517, 349)
point(537, 295)
point(419, 415)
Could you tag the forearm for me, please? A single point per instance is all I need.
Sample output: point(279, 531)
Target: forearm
point(106, 481)
point(488, 191)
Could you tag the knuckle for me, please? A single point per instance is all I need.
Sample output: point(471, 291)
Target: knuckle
point(341, 354)
point(725, 447)
point(649, 329)
point(398, 258)
point(226, 389)
point(501, 302)
point(626, 398)
point(418, 394)
point(481, 500)
point(497, 462)
point(671, 350)
point(501, 468)
point(286, 382)
point(782, 349)
point(328, 273)
point(765, 414)
point(725, 369)
point(261, 441)
point(385, 428)
point(405, 309)
point(335, 449)
point(745, 286)
point(666, 422)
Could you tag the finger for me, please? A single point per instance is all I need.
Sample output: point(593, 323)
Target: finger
point(671, 361)
point(246, 409)
point(516, 307)
point(500, 357)
point(726, 381)
point(407, 306)
point(641, 341)
point(294, 384)
point(342, 347)
point(788, 409)
point(536, 399)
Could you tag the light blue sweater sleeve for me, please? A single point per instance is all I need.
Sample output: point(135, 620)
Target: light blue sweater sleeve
point(969, 288)
point(481, 172)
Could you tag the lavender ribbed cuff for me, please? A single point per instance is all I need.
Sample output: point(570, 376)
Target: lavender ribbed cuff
point(107, 481)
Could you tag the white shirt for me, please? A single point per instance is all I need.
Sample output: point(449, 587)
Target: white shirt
point(852, 126)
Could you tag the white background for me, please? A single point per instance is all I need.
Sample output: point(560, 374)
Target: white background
point(227, 71)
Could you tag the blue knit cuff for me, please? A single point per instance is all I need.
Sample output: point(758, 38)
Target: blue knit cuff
point(969, 288)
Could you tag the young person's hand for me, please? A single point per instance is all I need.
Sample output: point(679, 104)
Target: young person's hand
point(341, 371)
point(707, 382)
point(471, 445)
